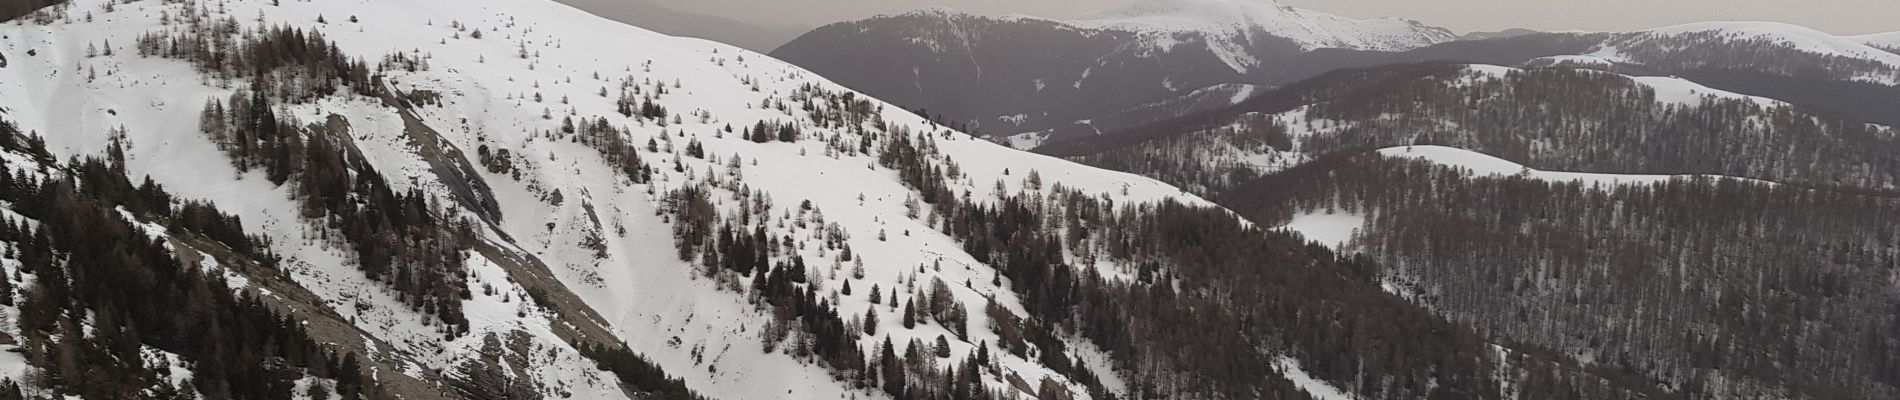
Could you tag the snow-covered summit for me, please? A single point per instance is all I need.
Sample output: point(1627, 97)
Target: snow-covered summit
point(1310, 29)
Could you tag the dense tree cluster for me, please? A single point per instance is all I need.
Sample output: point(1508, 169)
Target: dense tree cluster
point(764, 132)
point(1717, 288)
point(838, 109)
point(635, 370)
point(103, 292)
point(497, 161)
point(302, 65)
point(615, 148)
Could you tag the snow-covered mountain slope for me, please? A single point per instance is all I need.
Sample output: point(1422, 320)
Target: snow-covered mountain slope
point(1311, 29)
point(1778, 47)
point(508, 73)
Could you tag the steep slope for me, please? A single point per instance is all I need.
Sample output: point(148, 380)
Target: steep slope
point(103, 254)
point(565, 219)
point(1008, 75)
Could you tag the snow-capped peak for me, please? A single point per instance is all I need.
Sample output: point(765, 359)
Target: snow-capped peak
point(934, 11)
point(1310, 29)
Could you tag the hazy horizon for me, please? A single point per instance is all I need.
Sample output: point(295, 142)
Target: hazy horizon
point(1839, 17)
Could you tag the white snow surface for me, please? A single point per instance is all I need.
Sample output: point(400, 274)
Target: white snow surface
point(1675, 90)
point(1318, 389)
point(1245, 92)
point(656, 303)
point(1334, 230)
point(1487, 165)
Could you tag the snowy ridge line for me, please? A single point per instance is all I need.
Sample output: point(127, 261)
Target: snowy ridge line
point(1799, 37)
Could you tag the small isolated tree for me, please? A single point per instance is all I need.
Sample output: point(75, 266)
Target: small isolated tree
point(910, 316)
point(870, 321)
point(943, 347)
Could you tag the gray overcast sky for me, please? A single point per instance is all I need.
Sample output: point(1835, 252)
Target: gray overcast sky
point(1845, 17)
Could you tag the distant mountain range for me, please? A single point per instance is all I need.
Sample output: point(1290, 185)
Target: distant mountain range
point(1056, 80)
point(1006, 75)
point(649, 15)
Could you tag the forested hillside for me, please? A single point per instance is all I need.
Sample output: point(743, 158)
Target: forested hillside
point(1717, 288)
